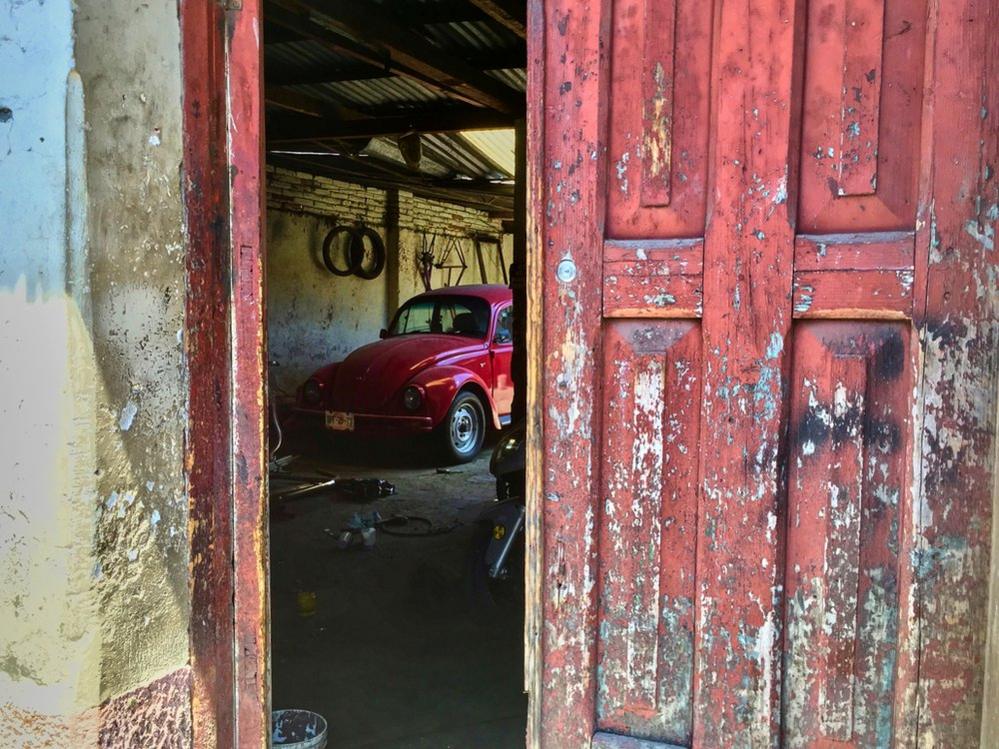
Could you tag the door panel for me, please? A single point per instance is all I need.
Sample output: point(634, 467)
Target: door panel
point(660, 74)
point(862, 112)
point(648, 528)
point(848, 539)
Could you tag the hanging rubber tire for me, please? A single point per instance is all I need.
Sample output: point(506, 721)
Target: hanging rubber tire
point(358, 252)
point(463, 430)
point(354, 241)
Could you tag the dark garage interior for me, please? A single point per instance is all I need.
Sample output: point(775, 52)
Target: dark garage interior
point(394, 166)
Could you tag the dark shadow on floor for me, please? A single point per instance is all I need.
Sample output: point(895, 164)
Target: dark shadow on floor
point(398, 653)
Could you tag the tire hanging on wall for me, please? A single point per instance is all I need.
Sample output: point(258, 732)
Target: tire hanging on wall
point(357, 253)
point(354, 240)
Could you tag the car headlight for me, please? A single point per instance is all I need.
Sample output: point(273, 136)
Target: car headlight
point(312, 393)
point(412, 398)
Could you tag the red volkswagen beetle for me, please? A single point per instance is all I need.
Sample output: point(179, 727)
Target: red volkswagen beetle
point(443, 367)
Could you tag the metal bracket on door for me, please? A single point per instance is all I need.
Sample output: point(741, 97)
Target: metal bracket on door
point(231, 4)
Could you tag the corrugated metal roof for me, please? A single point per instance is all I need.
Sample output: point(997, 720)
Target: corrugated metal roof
point(401, 93)
point(470, 36)
point(495, 145)
point(444, 156)
point(386, 150)
point(479, 156)
point(515, 78)
point(466, 160)
point(303, 54)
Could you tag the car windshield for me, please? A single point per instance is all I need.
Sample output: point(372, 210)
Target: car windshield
point(451, 315)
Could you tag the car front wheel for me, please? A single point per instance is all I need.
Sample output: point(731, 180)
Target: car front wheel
point(464, 429)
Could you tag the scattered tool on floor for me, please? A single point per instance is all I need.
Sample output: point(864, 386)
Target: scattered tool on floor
point(355, 489)
point(365, 489)
point(304, 490)
point(359, 530)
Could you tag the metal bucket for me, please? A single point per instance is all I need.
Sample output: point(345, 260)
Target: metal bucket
point(298, 729)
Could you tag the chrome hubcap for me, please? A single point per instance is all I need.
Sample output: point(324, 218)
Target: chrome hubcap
point(465, 428)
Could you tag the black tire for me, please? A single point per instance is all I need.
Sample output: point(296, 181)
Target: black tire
point(463, 430)
point(357, 253)
point(354, 241)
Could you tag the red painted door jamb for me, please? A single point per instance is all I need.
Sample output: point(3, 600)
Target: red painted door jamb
point(249, 346)
point(226, 445)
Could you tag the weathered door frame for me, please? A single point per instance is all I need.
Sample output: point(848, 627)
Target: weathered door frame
point(534, 480)
point(226, 344)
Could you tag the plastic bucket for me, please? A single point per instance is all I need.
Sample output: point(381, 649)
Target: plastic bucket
point(298, 729)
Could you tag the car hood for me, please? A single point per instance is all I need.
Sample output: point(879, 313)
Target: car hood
point(370, 376)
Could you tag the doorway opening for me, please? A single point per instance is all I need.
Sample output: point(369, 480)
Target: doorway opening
point(395, 299)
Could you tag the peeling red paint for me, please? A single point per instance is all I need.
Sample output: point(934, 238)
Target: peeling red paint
point(207, 459)
point(248, 347)
point(812, 570)
point(226, 441)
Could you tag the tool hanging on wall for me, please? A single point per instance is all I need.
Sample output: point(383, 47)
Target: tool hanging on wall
point(356, 250)
point(452, 261)
point(488, 241)
point(425, 261)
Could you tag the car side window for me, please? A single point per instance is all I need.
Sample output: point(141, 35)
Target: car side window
point(504, 325)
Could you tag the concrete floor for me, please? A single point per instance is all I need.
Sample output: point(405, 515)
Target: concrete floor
point(398, 653)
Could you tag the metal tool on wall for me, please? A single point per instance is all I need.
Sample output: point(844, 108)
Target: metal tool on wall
point(453, 262)
point(425, 261)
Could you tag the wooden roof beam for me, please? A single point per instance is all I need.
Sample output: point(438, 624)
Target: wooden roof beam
point(293, 101)
point(497, 204)
point(308, 30)
point(285, 132)
point(295, 75)
point(511, 14)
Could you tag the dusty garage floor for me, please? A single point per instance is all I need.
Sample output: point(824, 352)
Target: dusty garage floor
point(397, 654)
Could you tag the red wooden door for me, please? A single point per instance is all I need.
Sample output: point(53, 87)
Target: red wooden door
point(738, 204)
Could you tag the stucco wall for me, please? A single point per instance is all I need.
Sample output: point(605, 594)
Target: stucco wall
point(93, 538)
point(315, 317)
point(138, 280)
point(49, 634)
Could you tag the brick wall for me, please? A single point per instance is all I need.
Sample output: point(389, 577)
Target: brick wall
point(300, 192)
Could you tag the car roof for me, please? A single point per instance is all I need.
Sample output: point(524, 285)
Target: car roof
point(492, 292)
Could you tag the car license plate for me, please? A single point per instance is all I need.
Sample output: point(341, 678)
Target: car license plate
point(339, 421)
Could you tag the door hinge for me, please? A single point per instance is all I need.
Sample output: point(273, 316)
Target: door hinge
point(231, 4)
